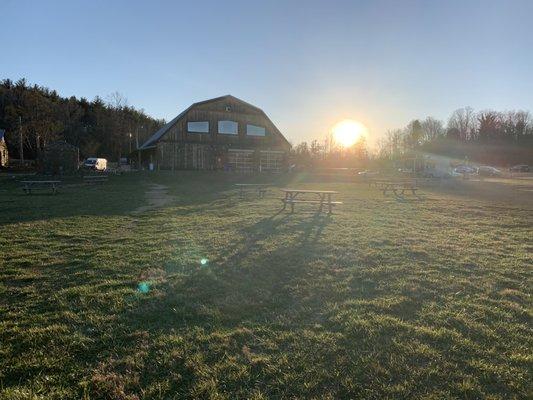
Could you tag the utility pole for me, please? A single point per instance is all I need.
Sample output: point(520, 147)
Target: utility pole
point(137, 144)
point(21, 146)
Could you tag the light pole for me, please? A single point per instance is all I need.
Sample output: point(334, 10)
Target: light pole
point(130, 144)
point(21, 145)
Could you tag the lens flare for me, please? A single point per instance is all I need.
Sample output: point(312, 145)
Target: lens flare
point(203, 261)
point(143, 287)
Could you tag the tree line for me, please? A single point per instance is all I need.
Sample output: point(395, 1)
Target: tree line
point(33, 116)
point(499, 138)
point(329, 154)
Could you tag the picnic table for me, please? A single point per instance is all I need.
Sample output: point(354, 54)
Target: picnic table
point(29, 185)
point(396, 186)
point(95, 178)
point(260, 187)
point(324, 198)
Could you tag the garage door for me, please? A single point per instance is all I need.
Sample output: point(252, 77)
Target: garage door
point(241, 160)
point(271, 161)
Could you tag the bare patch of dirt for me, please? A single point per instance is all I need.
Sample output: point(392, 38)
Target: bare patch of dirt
point(157, 197)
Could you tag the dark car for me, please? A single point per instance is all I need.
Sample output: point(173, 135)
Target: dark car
point(520, 168)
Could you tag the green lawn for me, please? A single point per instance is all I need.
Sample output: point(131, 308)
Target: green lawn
point(424, 297)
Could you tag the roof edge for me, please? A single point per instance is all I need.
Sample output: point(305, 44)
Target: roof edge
point(150, 143)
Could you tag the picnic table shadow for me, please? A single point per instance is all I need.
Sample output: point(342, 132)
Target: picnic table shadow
point(409, 198)
point(309, 229)
point(260, 275)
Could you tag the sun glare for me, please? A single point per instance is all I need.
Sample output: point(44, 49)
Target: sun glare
point(348, 132)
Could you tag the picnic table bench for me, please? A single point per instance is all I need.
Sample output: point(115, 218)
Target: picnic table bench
point(260, 187)
point(95, 178)
point(29, 185)
point(324, 198)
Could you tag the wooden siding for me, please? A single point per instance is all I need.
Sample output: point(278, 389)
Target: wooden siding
point(213, 112)
point(180, 149)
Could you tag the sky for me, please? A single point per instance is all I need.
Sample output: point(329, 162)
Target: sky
point(307, 64)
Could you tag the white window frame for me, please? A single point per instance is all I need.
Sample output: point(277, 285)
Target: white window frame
point(227, 132)
point(248, 126)
point(191, 130)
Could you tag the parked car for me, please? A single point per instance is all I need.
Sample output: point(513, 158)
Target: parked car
point(96, 164)
point(367, 173)
point(487, 170)
point(405, 170)
point(465, 169)
point(520, 168)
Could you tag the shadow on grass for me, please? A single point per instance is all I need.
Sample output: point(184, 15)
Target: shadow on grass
point(250, 283)
point(121, 195)
point(409, 199)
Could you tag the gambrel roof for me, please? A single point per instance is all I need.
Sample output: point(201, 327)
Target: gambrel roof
point(151, 142)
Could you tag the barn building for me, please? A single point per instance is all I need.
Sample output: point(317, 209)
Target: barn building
point(224, 133)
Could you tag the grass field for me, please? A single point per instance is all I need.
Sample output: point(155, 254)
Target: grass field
point(168, 286)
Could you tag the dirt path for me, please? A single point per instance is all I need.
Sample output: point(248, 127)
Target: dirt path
point(157, 196)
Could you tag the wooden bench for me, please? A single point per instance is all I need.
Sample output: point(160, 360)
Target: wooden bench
point(260, 187)
point(95, 178)
point(29, 185)
point(323, 195)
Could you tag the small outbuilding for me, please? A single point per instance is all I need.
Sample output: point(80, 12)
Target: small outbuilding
point(60, 158)
point(4, 157)
point(224, 133)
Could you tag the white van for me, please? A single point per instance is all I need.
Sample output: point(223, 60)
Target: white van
point(97, 164)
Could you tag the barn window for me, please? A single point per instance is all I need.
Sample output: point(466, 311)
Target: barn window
point(228, 127)
point(254, 130)
point(198, 127)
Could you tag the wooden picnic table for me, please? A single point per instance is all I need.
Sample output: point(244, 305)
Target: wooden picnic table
point(324, 198)
point(95, 178)
point(380, 182)
point(397, 186)
point(261, 188)
point(29, 185)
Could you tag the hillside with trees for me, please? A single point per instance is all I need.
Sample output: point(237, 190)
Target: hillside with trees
point(38, 116)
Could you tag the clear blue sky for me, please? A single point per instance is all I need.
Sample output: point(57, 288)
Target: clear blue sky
point(308, 64)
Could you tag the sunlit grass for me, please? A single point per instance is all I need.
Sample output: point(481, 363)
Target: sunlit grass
point(214, 297)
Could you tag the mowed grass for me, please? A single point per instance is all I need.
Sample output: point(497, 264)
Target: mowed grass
point(425, 297)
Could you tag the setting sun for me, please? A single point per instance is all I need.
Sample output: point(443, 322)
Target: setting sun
point(348, 132)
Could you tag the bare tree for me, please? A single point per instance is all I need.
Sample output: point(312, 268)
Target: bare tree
point(465, 121)
point(432, 128)
point(394, 142)
point(117, 101)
